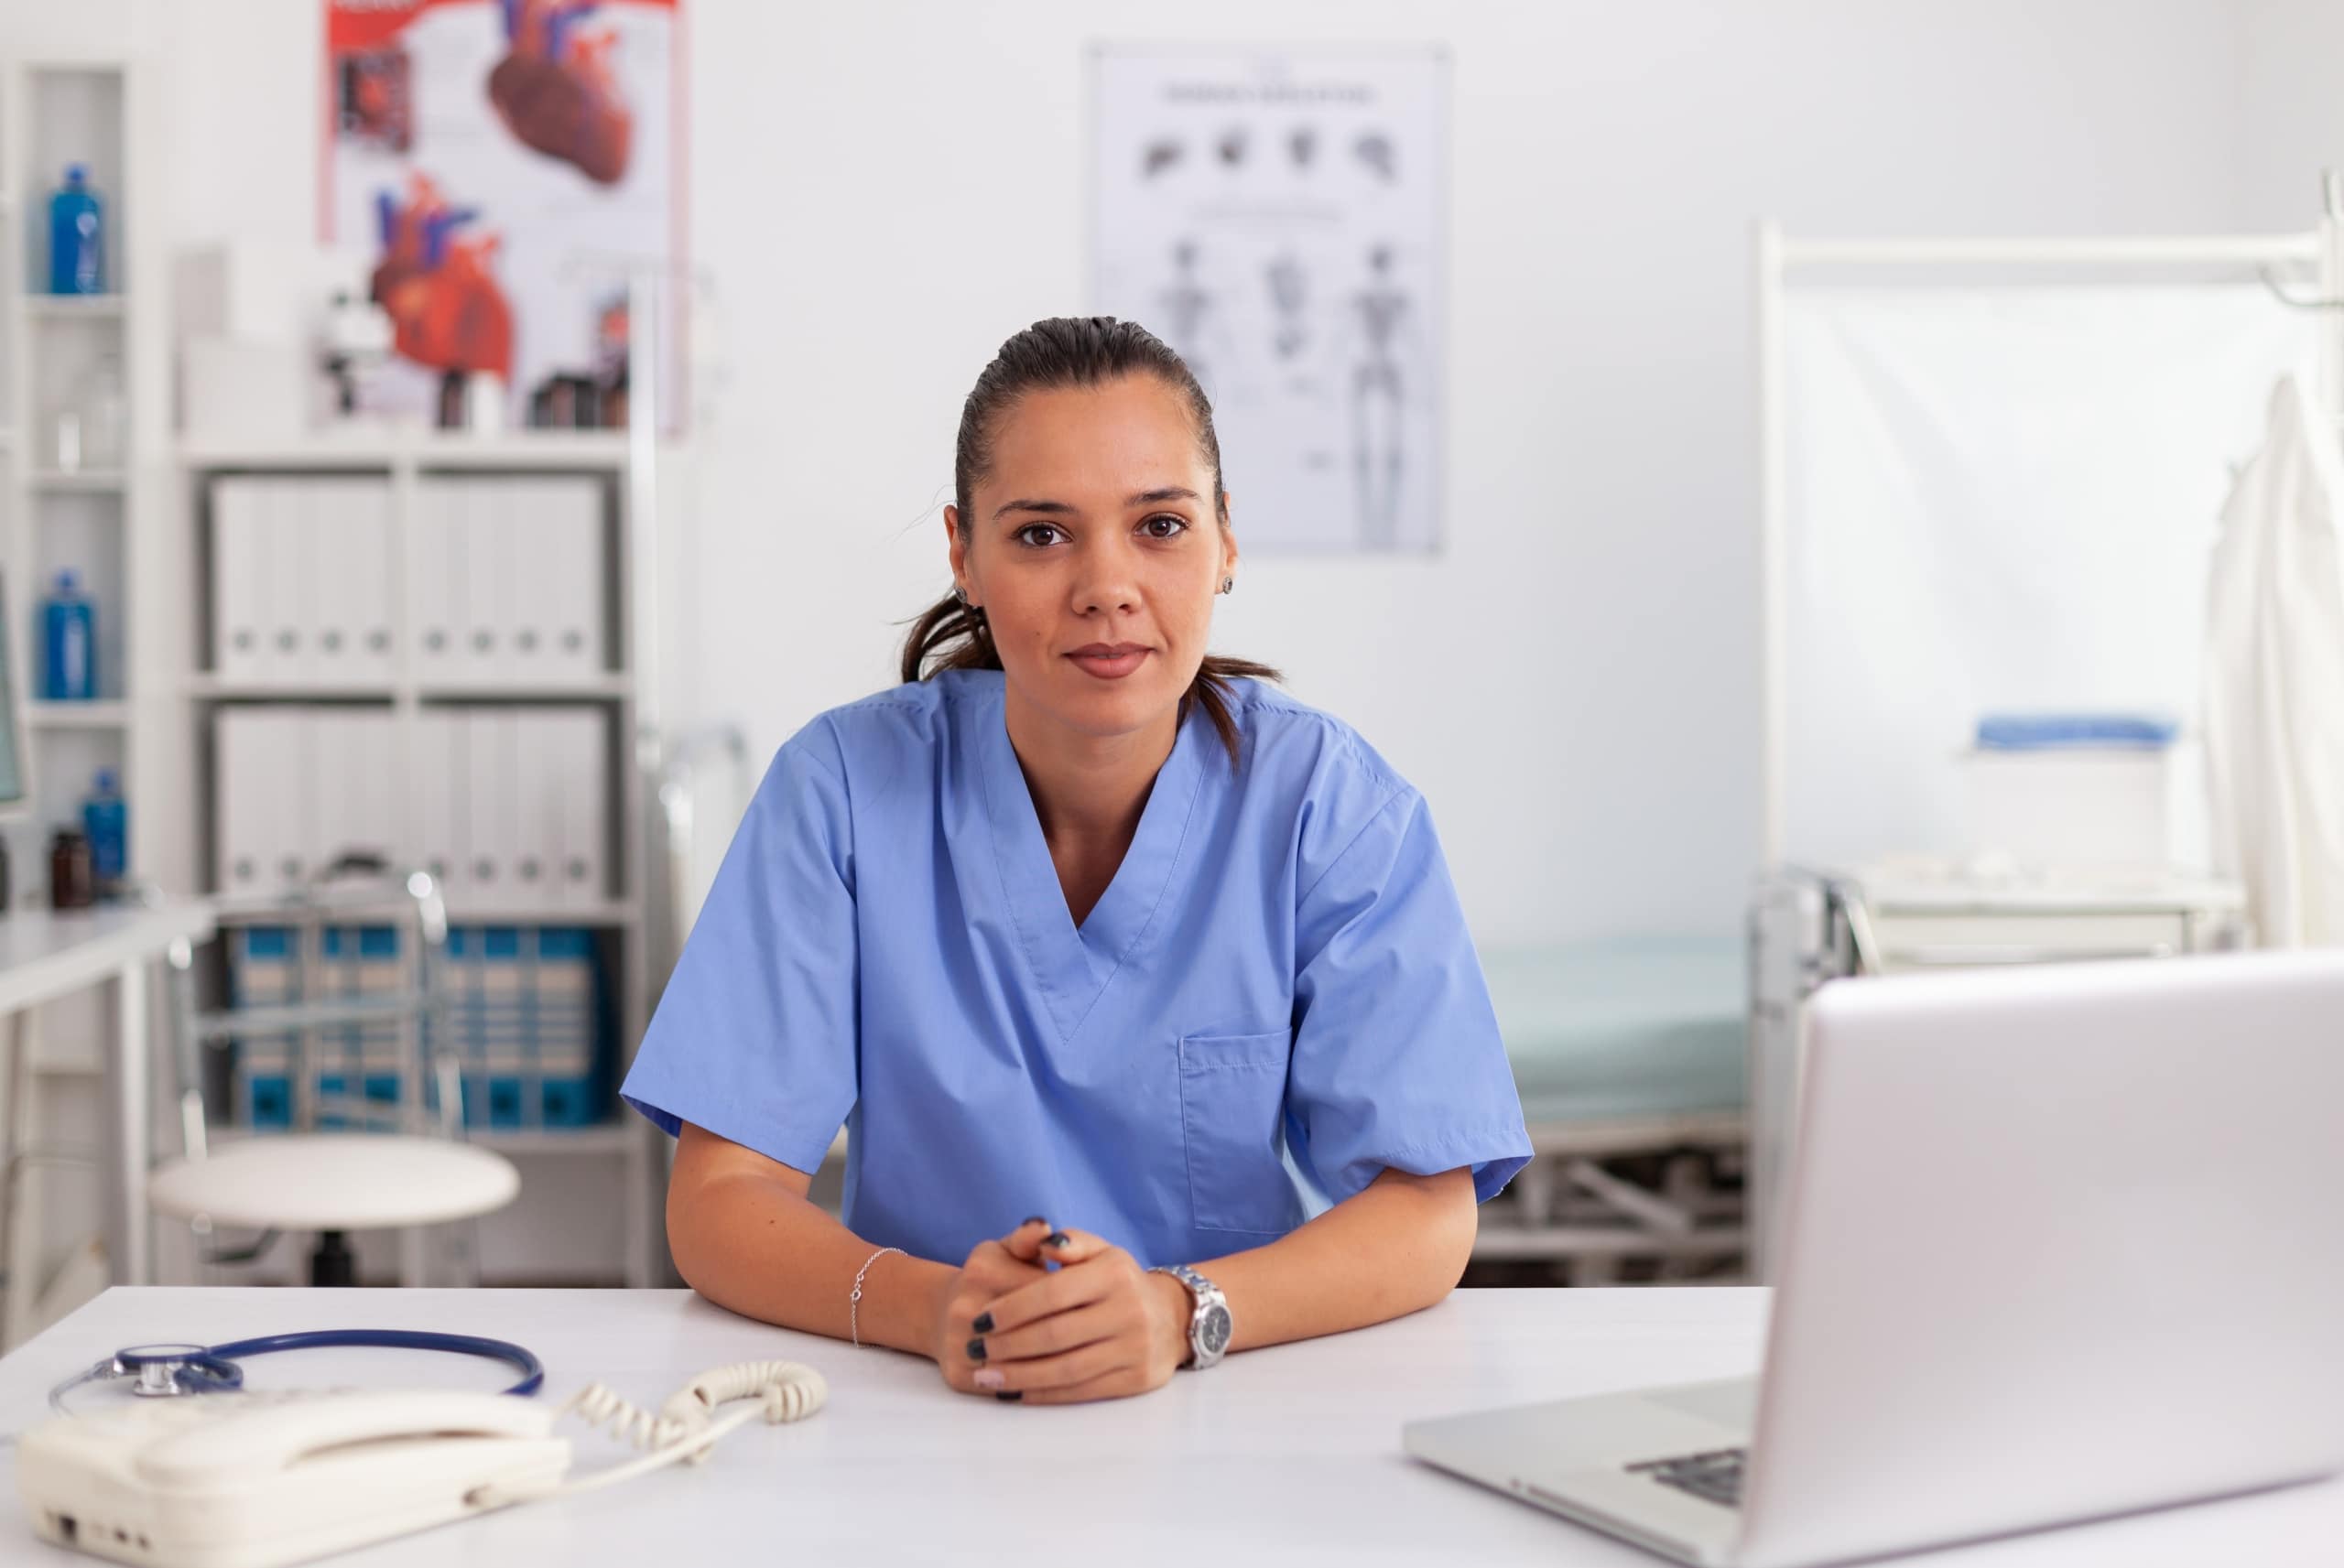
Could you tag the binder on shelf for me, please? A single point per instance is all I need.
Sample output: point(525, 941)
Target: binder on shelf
point(492, 805)
point(373, 630)
point(537, 788)
point(435, 575)
point(563, 805)
point(263, 812)
point(329, 589)
point(525, 535)
point(241, 853)
point(558, 600)
point(437, 773)
point(583, 870)
point(389, 814)
point(580, 621)
point(482, 541)
point(381, 1044)
point(566, 1020)
point(392, 807)
point(331, 1055)
point(348, 549)
point(237, 620)
point(507, 1050)
point(291, 747)
point(260, 974)
point(459, 996)
point(287, 567)
point(332, 786)
point(355, 804)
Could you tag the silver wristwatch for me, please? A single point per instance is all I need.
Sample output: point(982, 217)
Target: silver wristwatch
point(1208, 1325)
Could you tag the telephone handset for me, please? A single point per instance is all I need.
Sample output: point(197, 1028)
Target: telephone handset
point(253, 1480)
point(257, 1442)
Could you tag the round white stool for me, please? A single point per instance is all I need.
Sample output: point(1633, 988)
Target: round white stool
point(335, 1182)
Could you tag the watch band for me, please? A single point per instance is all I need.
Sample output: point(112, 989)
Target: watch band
point(1209, 1321)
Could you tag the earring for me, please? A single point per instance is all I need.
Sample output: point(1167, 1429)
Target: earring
point(1227, 583)
point(976, 611)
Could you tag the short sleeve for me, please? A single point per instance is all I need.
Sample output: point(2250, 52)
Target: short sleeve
point(1397, 1062)
point(755, 1035)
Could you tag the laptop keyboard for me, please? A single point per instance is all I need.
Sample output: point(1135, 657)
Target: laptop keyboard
point(1715, 1476)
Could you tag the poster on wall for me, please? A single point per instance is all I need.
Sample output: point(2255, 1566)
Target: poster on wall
point(1278, 217)
point(506, 165)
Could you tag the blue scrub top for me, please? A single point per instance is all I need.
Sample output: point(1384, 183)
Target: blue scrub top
point(1275, 1000)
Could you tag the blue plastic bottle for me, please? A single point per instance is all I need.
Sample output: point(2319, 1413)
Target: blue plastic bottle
point(76, 232)
point(105, 821)
point(69, 672)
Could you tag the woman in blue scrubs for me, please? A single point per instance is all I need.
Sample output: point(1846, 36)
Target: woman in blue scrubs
point(1141, 988)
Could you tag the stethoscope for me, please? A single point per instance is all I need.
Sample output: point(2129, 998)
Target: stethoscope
point(168, 1371)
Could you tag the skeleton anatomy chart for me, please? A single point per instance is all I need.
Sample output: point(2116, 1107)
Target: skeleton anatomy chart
point(1279, 218)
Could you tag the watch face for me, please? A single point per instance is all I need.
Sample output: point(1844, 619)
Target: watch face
point(1214, 1331)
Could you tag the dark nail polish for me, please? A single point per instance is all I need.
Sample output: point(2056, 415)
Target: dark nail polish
point(1057, 1238)
point(984, 1324)
point(1034, 1219)
point(976, 1350)
point(1012, 1397)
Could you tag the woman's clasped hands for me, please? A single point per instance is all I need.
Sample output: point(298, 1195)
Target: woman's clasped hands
point(1098, 1326)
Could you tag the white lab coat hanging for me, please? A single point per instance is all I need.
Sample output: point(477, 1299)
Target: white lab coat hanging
point(2275, 679)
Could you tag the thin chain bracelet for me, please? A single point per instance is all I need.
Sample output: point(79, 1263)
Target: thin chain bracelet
point(853, 1329)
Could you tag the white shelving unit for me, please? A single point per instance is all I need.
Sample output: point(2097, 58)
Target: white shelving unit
point(132, 531)
point(54, 112)
point(405, 462)
point(92, 521)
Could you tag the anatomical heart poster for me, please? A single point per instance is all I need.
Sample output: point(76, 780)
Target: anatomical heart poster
point(1280, 218)
point(506, 166)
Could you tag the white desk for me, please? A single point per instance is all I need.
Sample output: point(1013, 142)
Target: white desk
point(1277, 1457)
point(48, 953)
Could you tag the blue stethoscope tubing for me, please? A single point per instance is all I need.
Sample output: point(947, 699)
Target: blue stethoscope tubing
point(212, 1369)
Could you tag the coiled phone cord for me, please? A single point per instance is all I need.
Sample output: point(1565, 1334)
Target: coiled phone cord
point(685, 1427)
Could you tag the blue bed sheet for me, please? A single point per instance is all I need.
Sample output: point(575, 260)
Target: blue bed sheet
point(1627, 1027)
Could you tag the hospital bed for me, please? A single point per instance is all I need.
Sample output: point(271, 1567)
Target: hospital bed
point(1630, 1058)
point(1808, 926)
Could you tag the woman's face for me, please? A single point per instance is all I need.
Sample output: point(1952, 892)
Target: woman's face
point(1095, 552)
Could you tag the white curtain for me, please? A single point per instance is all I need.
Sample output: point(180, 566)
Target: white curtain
point(2000, 499)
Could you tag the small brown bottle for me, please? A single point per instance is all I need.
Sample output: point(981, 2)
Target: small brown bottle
point(72, 880)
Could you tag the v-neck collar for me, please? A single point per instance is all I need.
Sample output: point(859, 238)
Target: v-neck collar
point(1071, 966)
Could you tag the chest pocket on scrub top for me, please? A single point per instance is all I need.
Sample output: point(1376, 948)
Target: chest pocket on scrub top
point(1233, 1098)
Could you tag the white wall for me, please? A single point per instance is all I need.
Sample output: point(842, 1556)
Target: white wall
point(1573, 684)
point(884, 191)
point(2291, 121)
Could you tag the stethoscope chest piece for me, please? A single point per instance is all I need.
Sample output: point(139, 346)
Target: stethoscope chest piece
point(166, 1371)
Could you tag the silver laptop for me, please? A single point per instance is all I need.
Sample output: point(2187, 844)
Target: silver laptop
point(2060, 1243)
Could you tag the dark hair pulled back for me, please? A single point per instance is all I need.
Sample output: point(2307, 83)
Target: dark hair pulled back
point(1064, 352)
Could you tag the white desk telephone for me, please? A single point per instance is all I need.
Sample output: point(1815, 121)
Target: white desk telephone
point(252, 1480)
